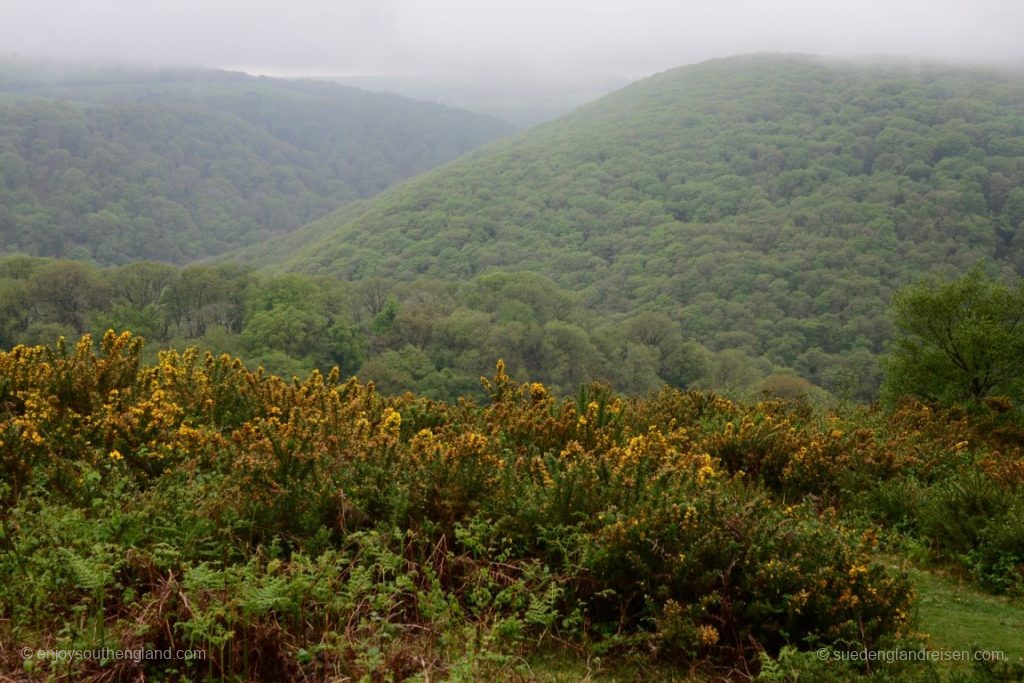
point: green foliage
(65, 290)
(315, 528)
(179, 165)
(959, 341)
(735, 225)
(767, 205)
(431, 337)
(290, 528)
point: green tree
(958, 341)
(65, 291)
(295, 331)
(142, 283)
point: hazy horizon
(526, 41)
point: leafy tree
(295, 331)
(679, 364)
(733, 370)
(142, 283)
(782, 385)
(20, 266)
(959, 341)
(13, 311)
(372, 295)
(395, 371)
(66, 291)
(146, 322)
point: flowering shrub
(319, 528)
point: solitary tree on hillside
(959, 341)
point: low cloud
(524, 37)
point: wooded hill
(768, 204)
(175, 165)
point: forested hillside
(176, 165)
(768, 205)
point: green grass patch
(570, 667)
(958, 617)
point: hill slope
(177, 165)
(768, 203)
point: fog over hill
(549, 42)
(524, 101)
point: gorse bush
(319, 528)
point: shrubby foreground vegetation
(316, 528)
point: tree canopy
(180, 165)
(958, 341)
(769, 205)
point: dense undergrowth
(316, 529)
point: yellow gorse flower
(392, 419)
(707, 635)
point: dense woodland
(432, 336)
(767, 205)
(178, 165)
(743, 221)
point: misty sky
(466, 37)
